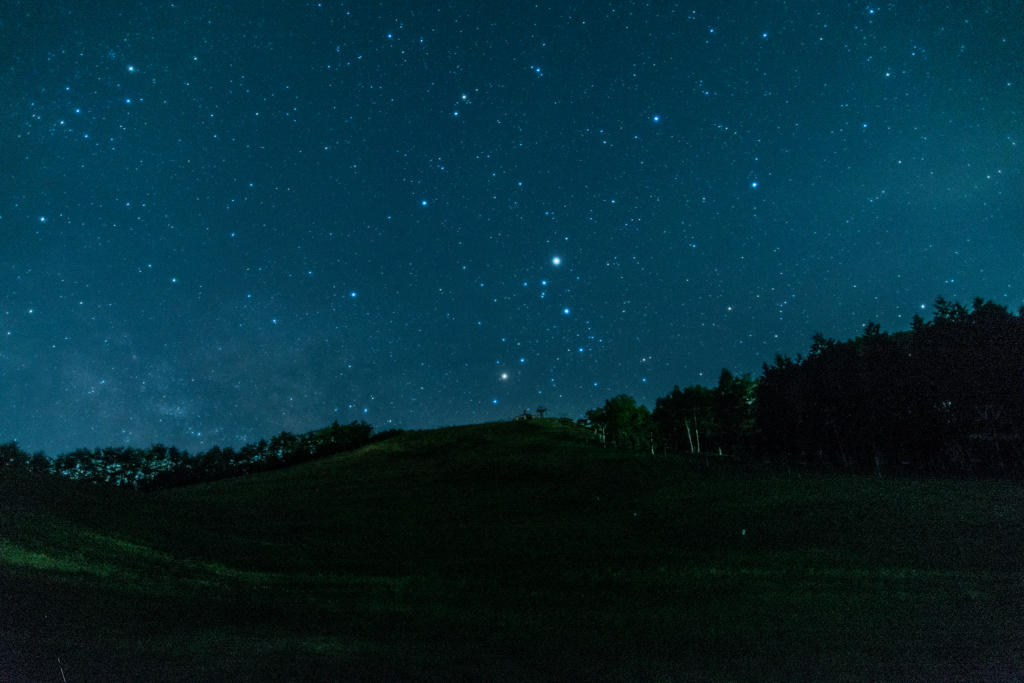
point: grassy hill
(511, 552)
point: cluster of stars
(266, 172)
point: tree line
(692, 420)
(945, 397)
(160, 467)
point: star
(328, 182)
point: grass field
(512, 552)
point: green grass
(511, 552)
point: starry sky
(220, 220)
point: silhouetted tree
(39, 463)
(698, 419)
(621, 420)
(11, 455)
(733, 400)
(946, 396)
(686, 417)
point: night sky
(221, 220)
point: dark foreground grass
(511, 552)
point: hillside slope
(511, 551)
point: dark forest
(943, 398)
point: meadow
(512, 552)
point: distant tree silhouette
(11, 455)
(162, 467)
(945, 397)
(733, 400)
(684, 417)
(39, 463)
(699, 419)
(621, 420)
